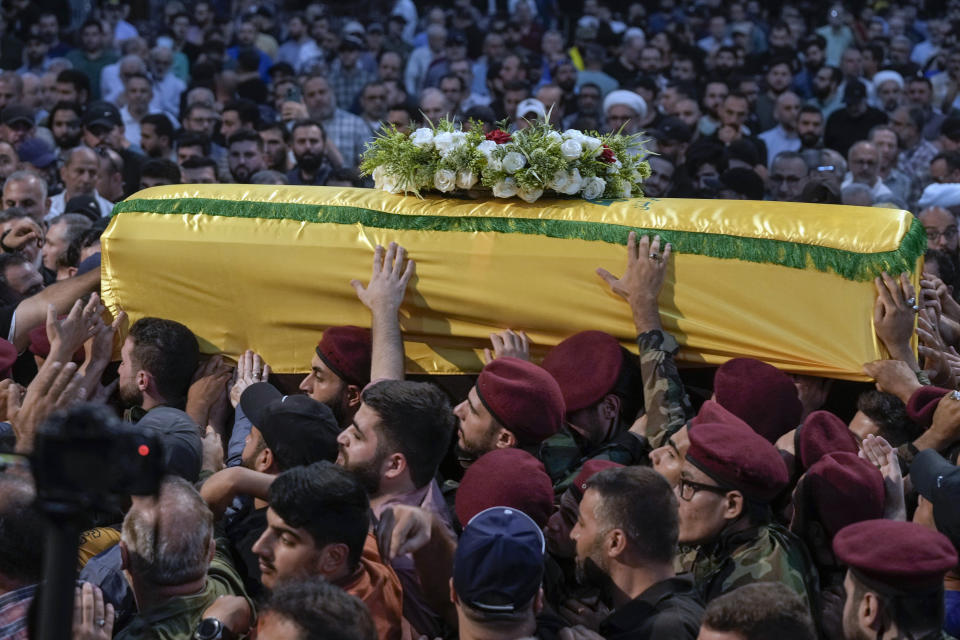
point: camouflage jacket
(667, 404)
(767, 553)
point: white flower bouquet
(527, 163)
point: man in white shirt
(783, 137)
(79, 174)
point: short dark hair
(641, 503)
(809, 108)
(245, 135)
(916, 615)
(78, 79)
(416, 420)
(90, 22)
(168, 351)
(274, 125)
(308, 123)
(321, 610)
(889, 413)
(21, 553)
(452, 76)
(63, 105)
(247, 110)
(835, 74)
(952, 158)
(193, 139)
(75, 225)
(161, 168)
(327, 501)
(924, 79)
(199, 163)
(760, 611)
(161, 124)
(346, 174)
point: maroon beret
(346, 350)
(40, 345)
(760, 394)
(823, 433)
(586, 366)
(522, 397)
(923, 403)
(737, 457)
(843, 488)
(8, 355)
(712, 412)
(587, 471)
(505, 478)
(895, 557)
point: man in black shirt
(853, 122)
(626, 536)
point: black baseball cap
(673, 129)
(16, 112)
(352, 42)
(297, 429)
(103, 114)
(937, 480)
(498, 565)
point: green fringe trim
(847, 264)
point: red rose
(607, 155)
(499, 136)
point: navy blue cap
(498, 566)
(37, 152)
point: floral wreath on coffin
(526, 163)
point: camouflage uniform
(768, 553)
(667, 406)
(666, 400)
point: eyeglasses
(689, 488)
(949, 234)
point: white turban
(626, 98)
(940, 195)
(887, 76)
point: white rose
(378, 176)
(466, 179)
(612, 169)
(574, 183)
(593, 188)
(445, 180)
(513, 162)
(448, 141)
(494, 164)
(506, 188)
(486, 147)
(591, 144)
(390, 184)
(554, 136)
(571, 149)
(573, 134)
(627, 190)
(559, 181)
(422, 138)
(530, 196)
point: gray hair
(168, 537)
(855, 191)
(268, 177)
(25, 175)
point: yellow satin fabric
(274, 285)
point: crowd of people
(595, 494)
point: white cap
(634, 32)
(887, 76)
(353, 27)
(531, 105)
(940, 195)
(628, 98)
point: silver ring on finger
(911, 301)
(655, 257)
(101, 622)
(916, 309)
(955, 395)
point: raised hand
(93, 617)
(877, 451)
(388, 282)
(642, 280)
(67, 335)
(250, 369)
(508, 344)
(893, 315)
(56, 386)
(893, 376)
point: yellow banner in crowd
(268, 268)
